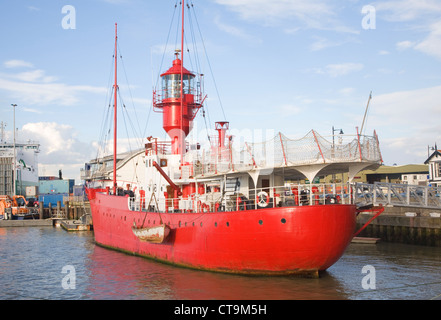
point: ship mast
(115, 88)
(182, 141)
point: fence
(397, 194)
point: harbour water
(46, 263)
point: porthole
(228, 224)
(201, 224)
(283, 220)
(193, 224)
(260, 222)
(186, 224)
(179, 223)
(215, 224)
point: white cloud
(322, 43)
(269, 10)
(47, 93)
(33, 76)
(410, 119)
(314, 14)
(420, 16)
(336, 70)
(17, 64)
(403, 45)
(235, 31)
(59, 148)
(407, 10)
(432, 43)
(34, 87)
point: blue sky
(278, 65)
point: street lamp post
(333, 145)
(333, 130)
(14, 160)
(428, 150)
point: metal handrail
(397, 194)
(259, 198)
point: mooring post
(40, 209)
(58, 208)
(67, 209)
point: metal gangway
(397, 194)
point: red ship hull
(272, 241)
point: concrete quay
(409, 225)
(26, 223)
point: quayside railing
(397, 194)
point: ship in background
(25, 176)
(18, 177)
(229, 208)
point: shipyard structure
(23, 180)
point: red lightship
(228, 209)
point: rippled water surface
(32, 261)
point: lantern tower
(179, 101)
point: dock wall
(409, 225)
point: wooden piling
(41, 210)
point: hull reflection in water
(31, 269)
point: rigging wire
(136, 134)
(166, 44)
(107, 124)
(160, 66)
(209, 64)
(102, 137)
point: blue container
(52, 198)
(56, 186)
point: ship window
(260, 222)
(228, 224)
(283, 220)
(215, 224)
